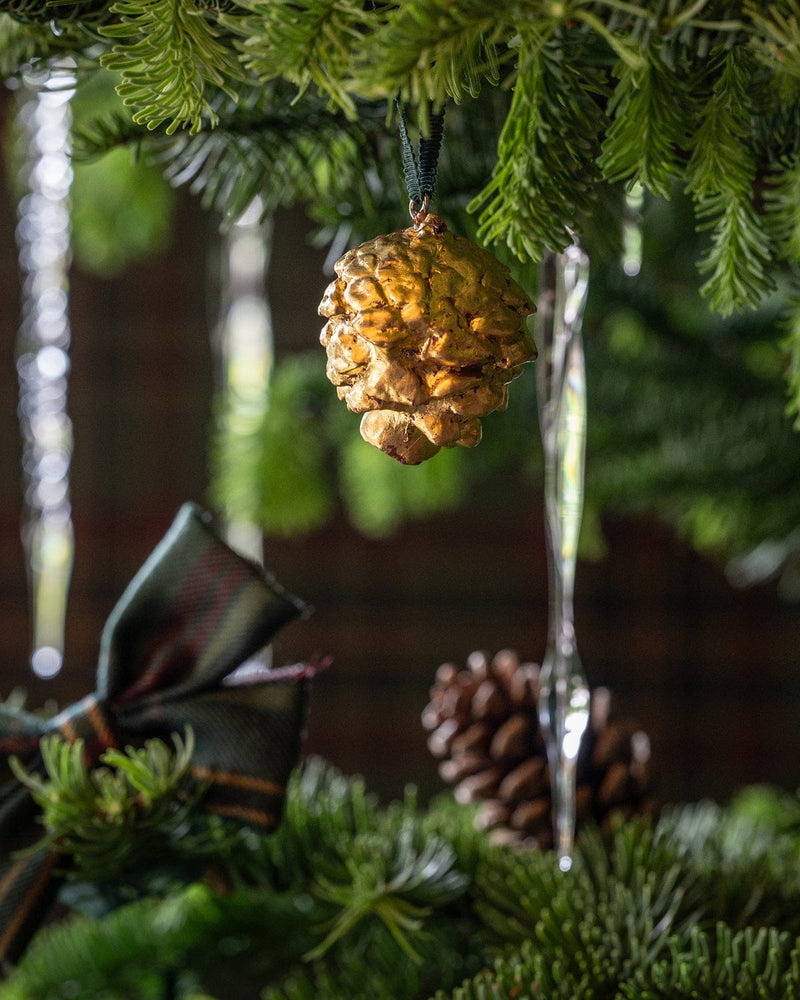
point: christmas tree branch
(604, 92)
(168, 53)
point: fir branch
(649, 125)
(104, 133)
(639, 917)
(777, 41)
(428, 52)
(782, 208)
(106, 819)
(170, 57)
(739, 254)
(379, 496)
(356, 861)
(133, 951)
(307, 43)
(614, 912)
(51, 32)
(261, 148)
(755, 848)
(322, 812)
(20, 44)
(746, 965)
(57, 12)
(721, 173)
(393, 881)
(270, 466)
(546, 171)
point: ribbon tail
(29, 880)
(28, 887)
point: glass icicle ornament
(43, 237)
(561, 385)
(425, 331)
(244, 350)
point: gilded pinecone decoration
(425, 331)
(484, 730)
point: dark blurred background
(709, 671)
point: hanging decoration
(484, 731)
(43, 235)
(561, 386)
(244, 352)
(425, 329)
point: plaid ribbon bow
(194, 612)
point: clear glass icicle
(561, 388)
(244, 347)
(43, 343)
(244, 350)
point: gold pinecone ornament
(425, 331)
(484, 730)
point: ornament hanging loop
(419, 215)
(420, 167)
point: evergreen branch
(546, 172)
(726, 965)
(623, 49)
(356, 861)
(269, 466)
(754, 841)
(20, 44)
(26, 41)
(133, 951)
(169, 55)
(649, 125)
(261, 148)
(721, 173)
(782, 208)
(721, 158)
(739, 256)
(74, 17)
(105, 819)
(615, 913)
(306, 43)
(704, 903)
(778, 38)
(105, 133)
(428, 52)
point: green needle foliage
(110, 819)
(308, 43)
(542, 185)
(602, 91)
(169, 56)
(352, 899)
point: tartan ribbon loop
(87, 720)
(193, 614)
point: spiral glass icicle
(43, 342)
(561, 387)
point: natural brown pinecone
(425, 329)
(484, 729)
